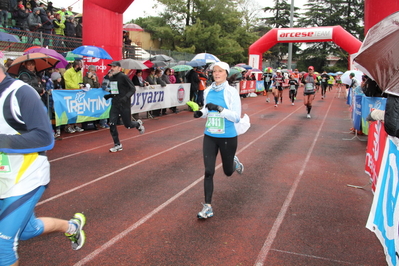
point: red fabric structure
(377, 10)
(102, 27)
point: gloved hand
(107, 96)
(197, 114)
(214, 107)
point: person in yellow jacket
(59, 27)
(73, 78)
(330, 82)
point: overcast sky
(143, 8)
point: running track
(292, 205)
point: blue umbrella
(196, 63)
(5, 37)
(339, 73)
(331, 74)
(209, 58)
(92, 51)
(247, 67)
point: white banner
(302, 34)
(156, 97)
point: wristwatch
(220, 108)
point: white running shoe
(239, 167)
(141, 128)
(206, 212)
(116, 148)
(308, 116)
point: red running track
(291, 206)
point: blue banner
(77, 106)
(357, 111)
(384, 215)
(260, 86)
(369, 103)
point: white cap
(278, 70)
(222, 65)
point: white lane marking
(280, 217)
(134, 226)
(109, 144)
(314, 257)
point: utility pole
(290, 44)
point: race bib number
(215, 123)
(114, 87)
(267, 79)
(277, 84)
(309, 87)
(292, 87)
(4, 163)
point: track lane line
(280, 217)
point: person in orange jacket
(202, 86)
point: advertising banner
(369, 103)
(77, 106)
(303, 34)
(260, 86)
(375, 150)
(384, 214)
(357, 112)
(156, 97)
(247, 86)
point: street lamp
(290, 44)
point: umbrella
(69, 56)
(159, 63)
(244, 66)
(132, 27)
(132, 64)
(379, 53)
(5, 37)
(161, 57)
(92, 51)
(63, 62)
(42, 62)
(347, 80)
(236, 70)
(331, 74)
(339, 73)
(209, 58)
(255, 70)
(148, 63)
(196, 63)
(180, 68)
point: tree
(347, 13)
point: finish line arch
(335, 34)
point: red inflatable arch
(102, 27)
(318, 34)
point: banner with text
(384, 214)
(77, 106)
(156, 97)
(375, 150)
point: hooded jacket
(34, 20)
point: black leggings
(125, 112)
(211, 146)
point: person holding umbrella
(27, 73)
(122, 90)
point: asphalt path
(291, 206)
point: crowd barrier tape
(383, 218)
(77, 106)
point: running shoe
(70, 130)
(206, 212)
(293, 104)
(322, 97)
(141, 128)
(78, 239)
(275, 105)
(116, 148)
(267, 100)
(79, 129)
(239, 167)
(308, 116)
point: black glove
(214, 107)
(107, 96)
(197, 114)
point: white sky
(143, 8)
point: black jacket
(125, 86)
